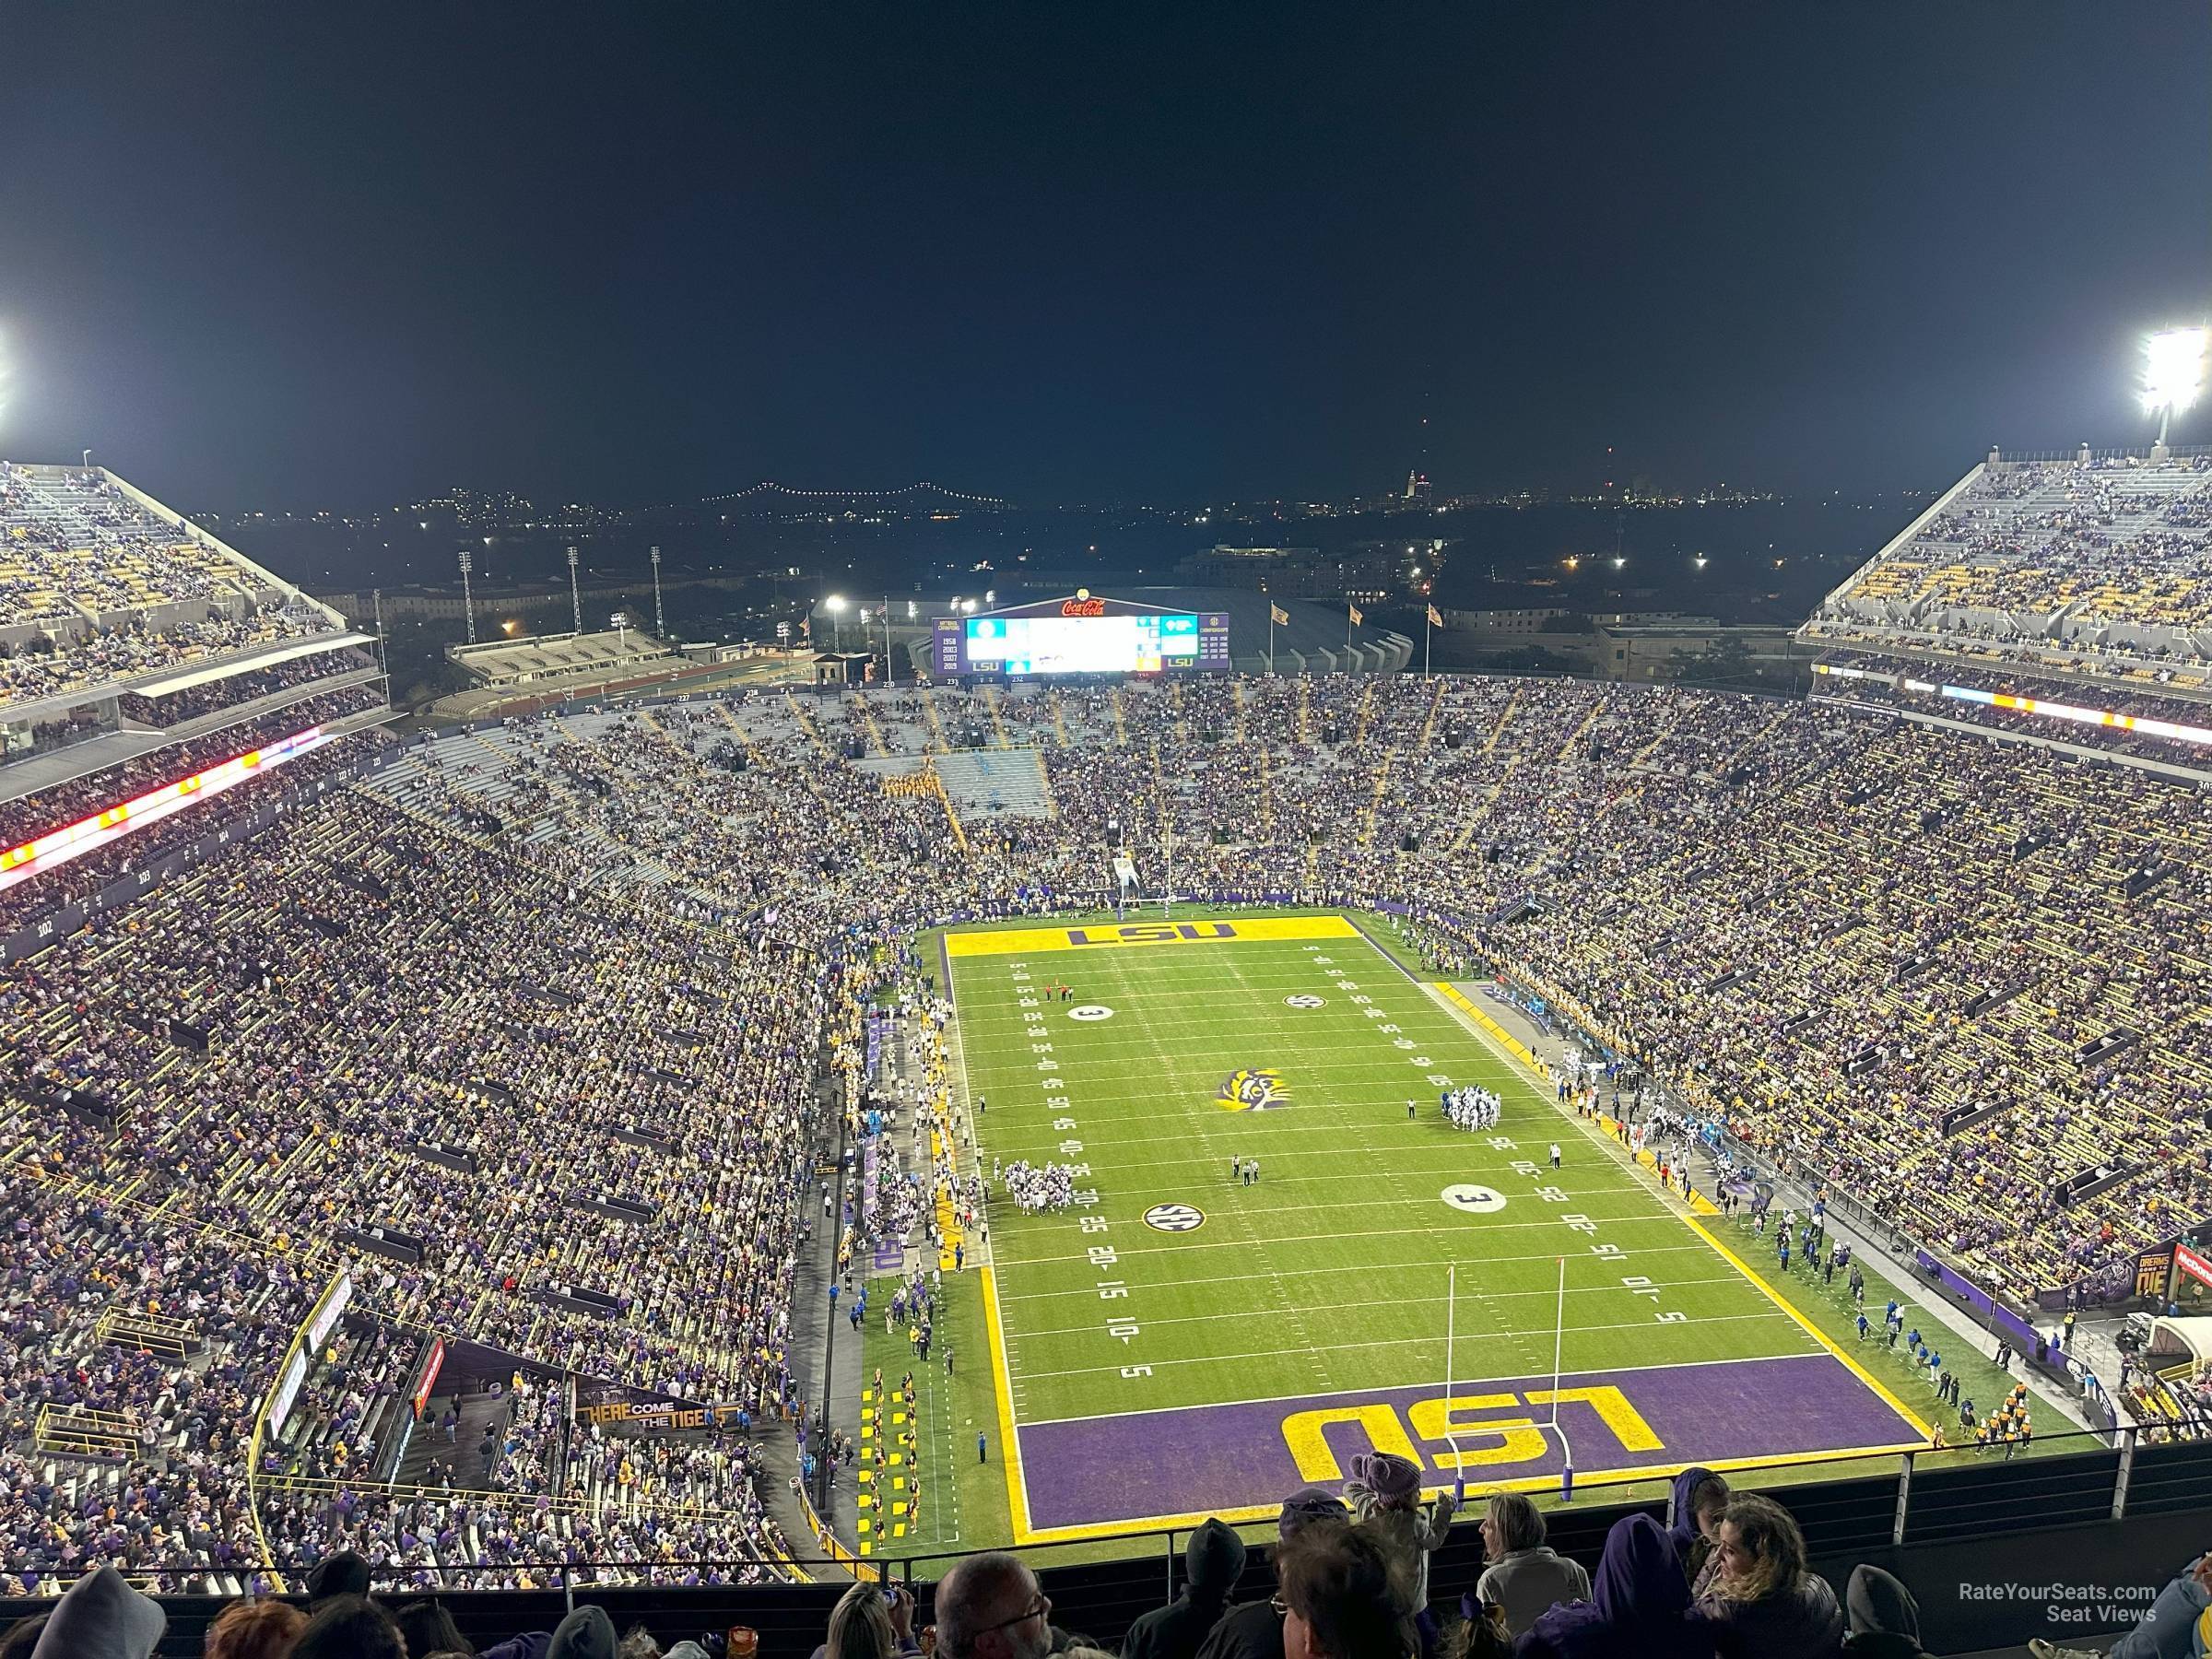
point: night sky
(344, 256)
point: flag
(1434, 620)
(1353, 611)
(1279, 615)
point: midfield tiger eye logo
(1252, 1090)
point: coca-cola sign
(1082, 608)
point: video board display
(1081, 635)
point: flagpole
(1271, 635)
(1428, 628)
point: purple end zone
(1101, 1471)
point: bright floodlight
(836, 602)
(2173, 370)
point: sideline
(1492, 1032)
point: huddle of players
(1052, 1187)
(1470, 1108)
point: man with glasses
(989, 1606)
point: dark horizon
(284, 260)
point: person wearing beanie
(101, 1618)
(1213, 1561)
(1882, 1617)
(587, 1633)
(1385, 1495)
(343, 1573)
(1254, 1629)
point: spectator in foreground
(1884, 1618)
(349, 1627)
(1638, 1606)
(1763, 1603)
(1385, 1495)
(1344, 1596)
(2179, 1625)
(18, 1638)
(429, 1629)
(343, 1573)
(1700, 1498)
(989, 1606)
(1213, 1561)
(1524, 1576)
(261, 1629)
(101, 1618)
(1254, 1629)
(587, 1633)
(865, 1625)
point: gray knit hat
(101, 1618)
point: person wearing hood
(1763, 1601)
(1884, 1618)
(1254, 1629)
(344, 1573)
(1213, 1561)
(1638, 1607)
(1693, 1528)
(587, 1633)
(101, 1618)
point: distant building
(1366, 573)
(1534, 618)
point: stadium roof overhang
(266, 659)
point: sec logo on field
(1175, 1218)
(1092, 1011)
(1474, 1200)
(1303, 1000)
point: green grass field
(1272, 1330)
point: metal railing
(1877, 1498)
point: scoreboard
(1081, 635)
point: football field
(1184, 1341)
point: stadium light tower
(2173, 373)
(575, 598)
(660, 627)
(468, 602)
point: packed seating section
(2067, 551)
(95, 589)
(528, 945)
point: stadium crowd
(550, 998)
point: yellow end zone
(1026, 941)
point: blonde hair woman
(1764, 1603)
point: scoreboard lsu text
(1081, 635)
